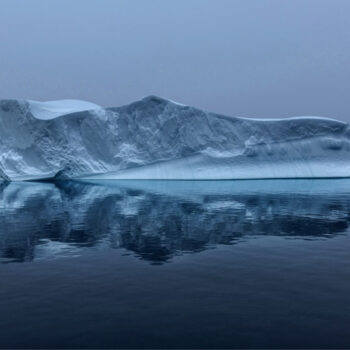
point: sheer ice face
(156, 138)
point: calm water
(175, 264)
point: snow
(53, 109)
(155, 138)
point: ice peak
(159, 100)
(154, 99)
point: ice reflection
(157, 220)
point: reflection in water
(160, 219)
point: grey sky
(264, 58)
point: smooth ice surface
(155, 138)
(53, 109)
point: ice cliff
(156, 138)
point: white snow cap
(53, 109)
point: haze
(268, 58)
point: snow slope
(156, 138)
(53, 109)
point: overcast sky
(264, 58)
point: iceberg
(155, 138)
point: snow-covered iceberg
(155, 138)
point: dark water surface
(175, 264)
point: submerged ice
(156, 138)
